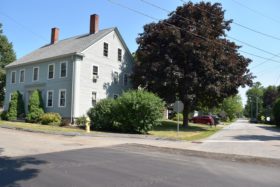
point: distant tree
(176, 60)
(270, 96)
(7, 55)
(232, 106)
(255, 101)
(276, 112)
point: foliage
(81, 121)
(7, 55)
(232, 106)
(35, 107)
(3, 115)
(101, 116)
(51, 118)
(138, 111)
(175, 118)
(255, 101)
(174, 61)
(276, 112)
(16, 107)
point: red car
(203, 119)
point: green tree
(232, 106)
(276, 112)
(7, 55)
(16, 107)
(254, 106)
(182, 57)
(35, 107)
(270, 96)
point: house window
(105, 49)
(21, 76)
(13, 77)
(95, 70)
(10, 97)
(119, 55)
(115, 77)
(35, 73)
(93, 98)
(125, 79)
(115, 96)
(51, 71)
(50, 98)
(63, 69)
(62, 98)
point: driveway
(244, 138)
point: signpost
(178, 107)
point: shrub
(3, 115)
(51, 118)
(175, 118)
(101, 116)
(35, 107)
(276, 112)
(16, 107)
(138, 111)
(81, 121)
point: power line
(196, 35)
(24, 27)
(257, 12)
(245, 27)
(245, 43)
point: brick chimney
(54, 36)
(94, 22)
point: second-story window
(13, 77)
(35, 73)
(119, 55)
(105, 49)
(21, 76)
(51, 71)
(63, 69)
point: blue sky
(27, 25)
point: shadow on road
(18, 169)
(270, 128)
(257, 137)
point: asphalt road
(126, 165)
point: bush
(276, 112)
(3, 115)
(16, 107)
(51, 118)
(101, 116)
(81, 121)
(138, 111)
(35, 107)
(175, 118)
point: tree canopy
(7, 55)
(187, 56)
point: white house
(74, 73)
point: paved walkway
(244, 138)
(238, 138)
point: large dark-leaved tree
(188, 56)
(7, 55)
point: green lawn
(168, 129)
(39, 127)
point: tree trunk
(186, 115)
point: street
(125, 166)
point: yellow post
(88, 125)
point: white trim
(10, 97)
(66, 62)
(47, 98)
(12, 77)
(53, 64)
(20, 75)
(33, 74)
(59, 95)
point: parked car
(204, 120)
(216, 119)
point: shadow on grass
(18, 169)
(172, 126)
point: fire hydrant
(87, 124)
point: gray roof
(73, 45)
